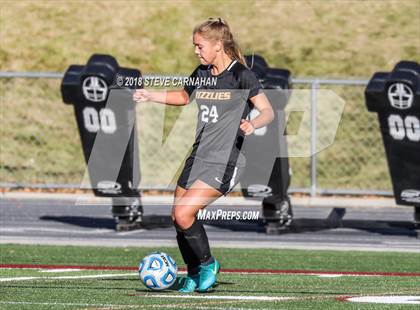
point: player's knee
(182, 217)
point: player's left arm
(266, 115)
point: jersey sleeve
(188, 87)
(249, 81)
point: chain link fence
(40, 144)
(356, 160)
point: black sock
(209, 261)
(187, 253)
(196, 237)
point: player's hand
(247, 127)
(141, 95)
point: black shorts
(221, 177)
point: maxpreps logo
(219, 214)
(212, 95)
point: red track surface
(254, 271)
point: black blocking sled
(267, 171)
(106, 121)
(395, 97)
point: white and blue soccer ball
(158, 271)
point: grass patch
(125, 291)
(229, 258)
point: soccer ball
(158, 271)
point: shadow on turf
(395, 228)
(173, 288)
(300, 225)
(303, 225)
(149, 221)
(179, 284)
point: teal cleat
(190, 284)
(208, 275)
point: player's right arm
(170, 97)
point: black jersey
(222, 100)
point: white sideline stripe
(321, 275)
(70, 270)
(125, 242)
(56, 230)
(222, 308)
(90, 199)
(222, 297)
(133, 232)
(60, 270)
(330, 275)
(111, 275)
(412, 300)
(123, 306)
(64, 304)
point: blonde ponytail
(218, 29)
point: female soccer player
(216, 162)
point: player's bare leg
(179, 192)
(198, 196)
(191, 282)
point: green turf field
(120, 289)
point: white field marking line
(221, 297)
(60, 270)
(193, 306)
(48, 270)
(64, 304)
(224, 308)
(133, 232)
(321, 275)
(181, 272)
(123, 306)
(68, 277)
(44, 229)
(386, 299)
(332, 275)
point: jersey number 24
(209, 114)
